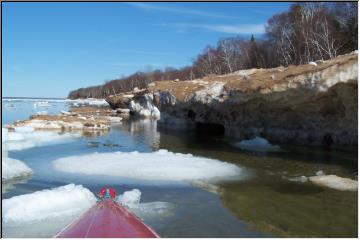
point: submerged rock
(335, 182)
(257, 144)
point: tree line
(306, 32)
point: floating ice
(27, 137)
(160, 165)
(151, 210)
(46, 204)
(50, 210)
(335, 182)
(257, 144)
(299, 179)
(13, 168)
(130, 198)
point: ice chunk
(313, 63)
(46, 204)
(335, 182)
(299, 179)
(50, 210)
(257, 144)
(130, 198)
(151, 210)
(160, 165)
(13, 168)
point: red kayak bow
(107, 219)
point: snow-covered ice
(257, 144)
(159, 165)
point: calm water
(266, 204)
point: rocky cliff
(307, 104)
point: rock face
(306, 104)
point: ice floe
(46, 204)
(26, 137)
(335, 182)
(257, 144)
(50, 210)
(159, 165)
(12, 168)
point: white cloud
(177, 10)
(233, 29)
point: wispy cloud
(183, 11)
(232, 29)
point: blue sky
(52, 48)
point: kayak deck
(107, 219)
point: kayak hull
(107, 219)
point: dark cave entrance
(212, 129)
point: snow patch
(209, 94)
(160, 165)
(335, 182)
(257, 144)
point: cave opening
(212, 129)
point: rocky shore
(313, 104)
(87, 119)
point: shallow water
(262, 205)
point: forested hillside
(306, 32)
